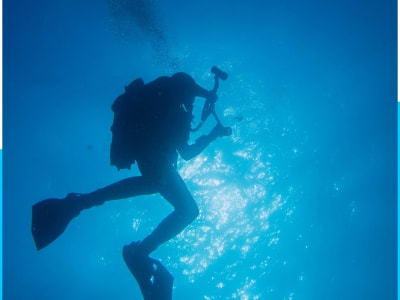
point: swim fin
(154, 280)
(50, 218)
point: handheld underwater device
(209, 105)
(219, 73)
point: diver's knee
(194, 212)
(189, 213)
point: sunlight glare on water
(234, 216)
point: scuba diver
(152, 125)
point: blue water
(299, 203)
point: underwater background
(300, 202)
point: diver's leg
(174, 190)
(130, 187)
(51, 217)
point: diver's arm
(187, 151)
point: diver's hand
(220, 131)
(211, 97)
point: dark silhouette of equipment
(209, 105)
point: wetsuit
(167, 134)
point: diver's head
(185, 87)
(183, 80)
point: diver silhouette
(160, 132)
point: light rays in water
(234, 217)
